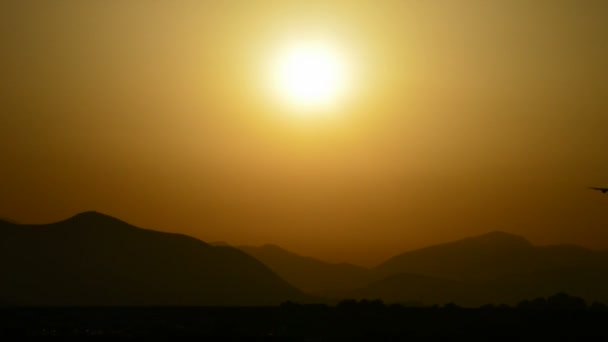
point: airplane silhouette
(603, 190)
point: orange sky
(468, 116)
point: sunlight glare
(310, 75)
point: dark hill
(94, 259)
(491, 268)
(309, 274)
(487, 257)
(6, 223)
(589, 284)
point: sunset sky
(448, 119)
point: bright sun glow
(310, 75)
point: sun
(310, 76)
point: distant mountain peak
(94, 218)
(499, 237)
(96, 259)
(91, 215)
(482, 256)
(500, 234)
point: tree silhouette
(597, 306)
(563, 301)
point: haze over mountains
(309, 274)
(496, 267)
(489, 256)
(94, 259)
(492, 268)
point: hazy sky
(464, 117)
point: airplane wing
(603, 190)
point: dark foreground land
(308, 323)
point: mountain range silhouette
(95, 259)
(489, 256)
(309, 274)
(496, 267)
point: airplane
(603, 190)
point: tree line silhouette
(558, 316)
(559, 301)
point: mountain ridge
(474, 270)
(95, 259)
(309, 274)
(479, 256)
